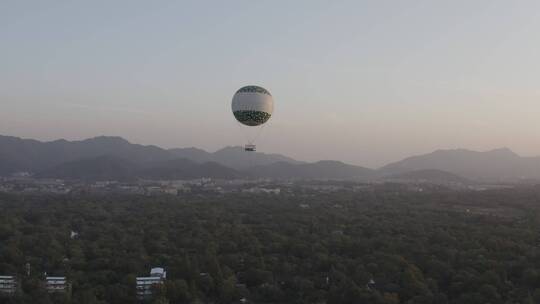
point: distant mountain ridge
(114, 168)
(18, 154)
(108, 157)
(99, 168)
(234, 157)
(433, 176)
(497, 165)
(33, 155)
(319, 170)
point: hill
(116, 158)
(236, 157)
(114, 168)
(100, 168)
(34, 156)
(319, 170)
(496, 165)
(186, 169)
(429, 176)
(17, 154)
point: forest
(382, 245)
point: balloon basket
(250, 148)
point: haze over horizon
(364, 82)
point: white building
(158, 272)
(258, 190)
(56, 284)
(145, 285)
(74, 235)
(8, 284)
(170, 190)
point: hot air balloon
(252, 107)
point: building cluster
(146, 286)
(28, 184)
(57, 284)
(9, 285)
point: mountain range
(500, 165)
(115, 168)
(114, 158)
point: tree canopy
(377, 246)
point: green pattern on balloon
(253, 89)
(251, 118)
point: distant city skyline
(364, 82)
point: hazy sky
(360, 81)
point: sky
(365, 82)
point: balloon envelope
(252, 105)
